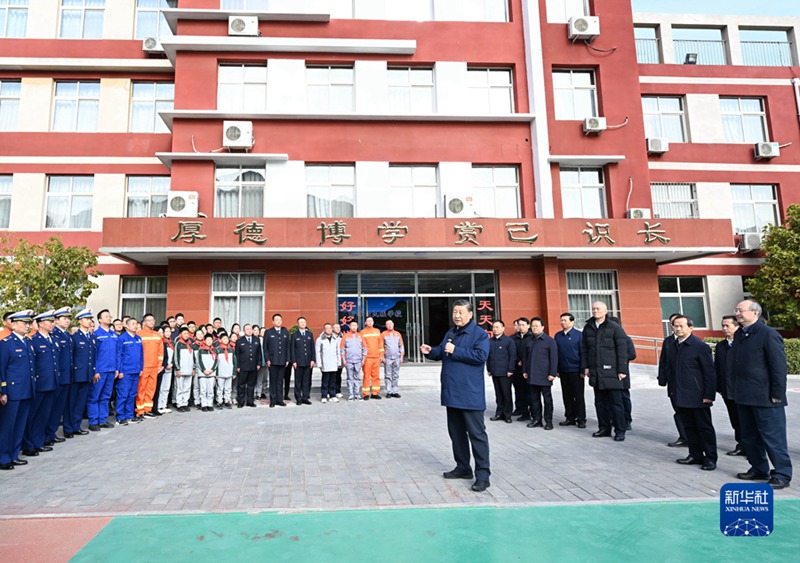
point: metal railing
(648, 349)
(708, 51)
(767, 53)
(647, 51)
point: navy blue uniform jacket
(502, 356)
(693, 375)
(542, 360)
(462, 371)
(759, 366)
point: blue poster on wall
(382, 309)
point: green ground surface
(650, 531)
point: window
(575, 94)
(76, 106)
(411, 90)
(330, 88)
(240, 191)
(754, 207)
(409, 10)
(586, 287)
(5, 200)
(765, 47)
(82, 19)
(13, 18)
(242, 88)
(706, 43)
(646, 45)
(252, 5)
(674, 201)
(413, 191)
(663, 117)
(69, 202)
(583, 192)
(238, 298)
(684, 295)
(331, 190)
(147, 196)
(150, 22)
(150, 98)
(744, 120)
(490, 90)
(9, 104)
(486, 10)
(496, 191)
(142, 295)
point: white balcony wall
(286, 86)
(286, 189)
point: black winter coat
(604, 352)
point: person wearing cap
(153, 347)
(107, 366)
(84, 364)
(184, 368)
(64, 341)
(6, 330)
(45, 386)
(17, 373)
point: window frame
(330, 186)
(6, 193)
(149, 195)
(241, 87)
(497, 187)
(71, 194)
(240, 184)
(416, 189)
(83, 9)
(330, 85)
(602, 189)
(6, 19)
(488, 87)
(162, 27)
(751, 203)
(741, 115)
(8, 100)
(76, 120)
(146, 296)
(680, 295)
(155, 118)
(594, 294)
(410, 87)
(661, 114)
(572, 89)
(672, 198)
(238, 294)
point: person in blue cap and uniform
(46, 383)
(17, 372)
(84, 359)
(62, 338)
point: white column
(35, 104)
(733, 46)
(286, 86)
(724, 292)
(108, 198)
(704, 118)
(286, 190)
(451, 87)
(372, 181)
(455, 178)
(115, 105)
(371, 87)
(714, 200)
(43, 17)
(119, 19)
(665, 44)
(27, 202)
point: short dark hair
(731, 318)
(673, 315)
(7, 314)
(128, 320)
(179, 315)
(216, 319)
(100, 314)
(191, 323)
(148, 315)
(463, 303)
(570, 316)
(119, 320)
(499, 321)
(540, 319)
(170, 318)
(276, 315)
(525, 320)
(689, 321)
(298, 319)
(327, 324)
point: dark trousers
(572, 385)
(157, 392)
(610, 411)
(678, 421)
(764, 434)
(338, 383)
(76, 404)
(467, 427)
(37, 420)
(287, 381)
(328, 388)
(699, 433)
(13, 419)
(245, 387)
(626, 405)
(502, 394)
(302, 383)
(56, 412)
(539, 392)
(276, 374)
(522, 395)
(733, 414)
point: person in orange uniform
(6, 330)
(371, 387)
(153, 363)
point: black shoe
(689, 460)
(523, 418)
(94, 427)
(44, 449)
(777, 483)
(753, 475)
(480, 486)
(50, 442)
(254, 405)
(30, 453)
(272, 405)
(68, 435)
(601, 434)
(81, 432)
(456, 474)
(150, 415)
(366, 397)
(708, 465)
(509, 421)
(280, 404)
(158, 413)
(628, 427)
(581, 425)
(738, 451)
(19, 462)
(516, 412)
(6, 466)
(548, 426)
(389, 395)
(286, 398)
(306, 402)
(228, 406)
(679, 443)
(59, 440)
(619, 437)
(567, 423)
(396, 395)
(137, 418)
(376, 397)
(239, 406)
(537, 424)
(299, 403)
(497, 418)
(122, 422)
(106, 425)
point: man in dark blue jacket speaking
(463, 353)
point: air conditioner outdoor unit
(749, 242)
(237, 135)
(594, 125)
(657, 145)
(583, 28)
(767, 150)
(152, 45)
(459, 205)
(638, 213)
(182, 204)
(243, 26)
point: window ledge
(585, 159)
(173, 15)
(235, 158)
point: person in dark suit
(667, 352)
(500, 367)
(540, 370)
(17, 379)
(759, 375)
(302, 356)
(64, 341)
(276, 352)
(723, 364)
(694, 382)
(83, 369)
(522, 399)
(248, 360)
(568, 341)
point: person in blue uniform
(107, 371)
(17, 372)
(248, 359)
(46, 384)
(276, 352)
(302, 354)
(61, 336)
(131, 364)
(84, 356)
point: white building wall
(369, 9)
(451, 87)
(371, 87)
(704, 119)
(560, 11)
(372, 181)
(455, 178)
(43, 17)
(119, 19)
(108, 199)
(115, 96)
(106, 296)
(286, 86)
(286, 189)
(35, 105)
(27, 201)
(714, 200)
(724, 292)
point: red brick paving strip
(47, 540)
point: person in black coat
(626, 393)
(723, 365)
(694, 382)
(500, 367)
(540, 370)
(604, 359)
(248, 361)
(277, 354)
(759, 375)
(522, 399)
(667, 352)
(303, 355)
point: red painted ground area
(49, 540)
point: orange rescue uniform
(153, 346)
(372, 363)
